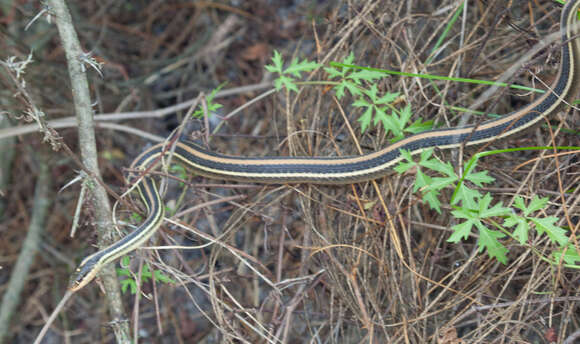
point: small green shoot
(130, 283)
(179, 171)
(211, 106)
(136, 217)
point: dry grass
(364, 263)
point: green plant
(287, 76)
(179, 171)
(361, 84)
(136, 217)
(475, 214)
(131, 281)
(432, 186)
(480, 213)
(211, 106)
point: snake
(331, 170)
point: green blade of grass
(439, 77)
(444, 33)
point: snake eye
(75, 278)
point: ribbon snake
(333, 170)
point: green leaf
(488, 241)
(432, 198)
(278, 84)
(277, 63)
(425, 155)
(128, 283)
(470, 166)
(421, 180)
(286, 82)
(388, 98)
(361, 103)
(464, 213)
(353, 89)
(484, 203)
(447, 169)
(487, 237)
(571, 256)
(333, 72)
(461, 231)
(136, 217)
(406, 154)
(543, 225)
(419, 127)
(145, 273)
(439, 166)
(536, 204)
(211, 106)
(547, 225)
(339, 90)
(364, 74)
(405, 114)
(468, 197)
(381, 116)
(496, 210)
(161, 277)
(397, 126)
(522, 227)
(347, 86)
(406, 163)
(403, 166)
(439, 183)
(348, 82)
(178, 170)
(296, 67)
(372, 93)
(390, 123)
(123, 272)
(366, 118)
(336, 73)
(479, 178)
(519, 203)
(349, 59)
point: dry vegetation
(364, 263)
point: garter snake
(334, 170)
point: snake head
(83, 274)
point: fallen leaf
(257, 51)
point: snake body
(334, 170)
